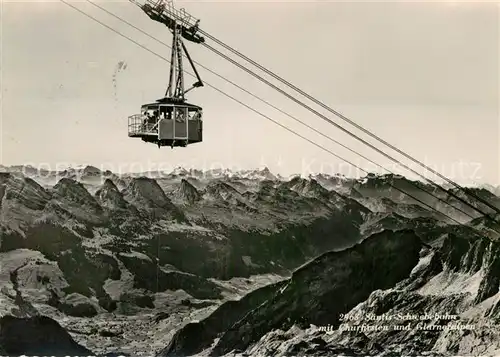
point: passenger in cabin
(196, 116)
(149, 121)
(180, 117)
(145, 121)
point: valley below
(221, 263)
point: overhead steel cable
(280, 110)
(350, 133)
(267, 117)
(343, 117)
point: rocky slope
(131, 263)
(392, 294)
(317, 293)
(37, 335)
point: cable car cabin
(168, 123)
(171, 121)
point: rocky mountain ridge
(155, 253)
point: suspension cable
(283, 112)
(350, 133)
(267, 117)
(343, 117)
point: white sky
(424, 76)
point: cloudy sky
(422, 75)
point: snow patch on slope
(138, 255)
(447, 283)
(422, 263)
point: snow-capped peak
(259, 174)
(180, 171)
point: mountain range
(220, 262)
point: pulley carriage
(171, 121)
(164, 11)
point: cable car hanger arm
(199, 83)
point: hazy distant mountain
(156, 262)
